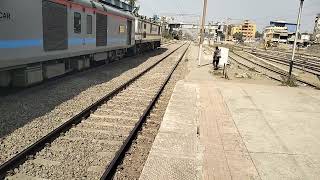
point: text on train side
(5, 15)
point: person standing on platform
(216, 58)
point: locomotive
(42, 39)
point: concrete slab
(169, 167)
(281, 131)
(218, 133)
(245, 131)
(181, 145)
(174, 152)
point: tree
(132, 2)
(258, 34)
(238, 36)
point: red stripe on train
(80, 7)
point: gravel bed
(118, 121)
(80, 138)
(102, 135)
(137, 155)
(239, 73)
(109, 128)
(29, 115)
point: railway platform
(218, 129)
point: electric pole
(202, 29)
(295, 40)
(227, 33)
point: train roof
(118, 4)
(106, 8)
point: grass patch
(292, 82)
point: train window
(77, 22)
(89, 24)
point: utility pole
(227, 29)
(203, 21)
(295, 40)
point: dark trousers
(216, 62)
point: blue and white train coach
(41, 39)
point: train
(43, 39)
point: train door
(101, 29)
(55, 28)
(129, 31)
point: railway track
(304, 55)
(168, 43)
(132, 165)
(308, 65)
(91, 144)
(272, 72)
(250, 65)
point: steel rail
(242, 64)
(308, 67)
(167, 43)
(305, 55)
(39, 144)
(285, 56)
(272, 70)
(297, 59)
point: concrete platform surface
(214, 129)
(174, 152)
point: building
(213, 31)
(180, 30)
(276, 34)
(316, 32)
(305, 39)
(235, 29)
(290, 26)
(280, 32)
(248, 30)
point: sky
(259, 11)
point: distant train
(42, 39)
